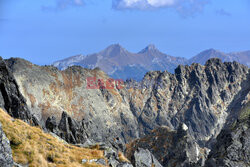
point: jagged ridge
(200, 96)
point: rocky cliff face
(101, 113)
(10, 97)
(6, 159)
(233, 143)
(199, 96)
(204, 98)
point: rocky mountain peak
(114, 50)
(120, 63)
(149, 49)
(211, 50)
(210, 53)
(115, 46)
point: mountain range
(198, 116)
(119, 63)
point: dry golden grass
(122, 157)
(30, 145)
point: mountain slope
(30, 145)
(50, 92)
(196, 95)
(204, 98)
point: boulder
(144, 158)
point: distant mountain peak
(115, 47)
(120, 63)
(114, 50)
(149, 48)
(211, 51)
(202, 57)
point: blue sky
(48, 30)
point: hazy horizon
(46, 31)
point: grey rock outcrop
(11, 98)
(100, 113)
(51, 124)
(68, 129)
(144, 158)
(6, 159)
(184, 151)
(196, 95)
(171, 148)
(74, 132)
(232, 147)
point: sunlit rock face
(100, 113)
(199, 96)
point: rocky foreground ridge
(203, 98)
